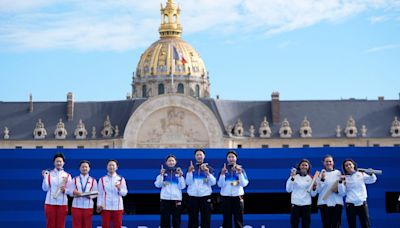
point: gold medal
(206, 180)
(234, 183)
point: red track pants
(114, 217)
(81, 218)
(55, 215)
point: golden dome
(170, 64)
(160, 60)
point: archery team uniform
(356, 197)
(199, 191)
(300, 199)
(331, 207)
(56, 204)
(82, 207)
(170, 197)
(232, 184)
(111, 200)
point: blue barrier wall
(21, 197)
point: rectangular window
(306, 146)
(106, 147)
(264, 146)
(396, 145)
(326, 145)
(39, 147)
(352, 145)
(18, 147)
(239, 146)
(81, 147)
(285, 146)
(376, 145)
(60, 147)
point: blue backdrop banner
(22, 199)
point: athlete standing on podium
(111, 188)
(56, 183)
(353, 185)
(232, 180)
(330, 203)
(171, 182)
(299, 184)
(82, 206)
(199, 179)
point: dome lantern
(170, 26)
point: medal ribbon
(84, 188)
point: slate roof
(324, 116)
(21, 123)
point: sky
(304, 49)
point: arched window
(166, 20)
(175, 18)
(181, 89)
(160, 89)
(144, 91)
(197, 91)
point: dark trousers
(232, 205)
(303, 213)
(331, 216)
(360, 211)
(202, 205)
(170, 208)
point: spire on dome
(170, 26)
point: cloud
(378, 19)
(121, 25)
(285, 44)
(283, 16)
(19, 6)
(382, 48)
(83, 25)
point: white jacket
(324, 186)
(52, 183)
(199, 184)
(109, 196)
(79, 183)
(232, 183)
(355, 189)
(171, 185)
(298, 187)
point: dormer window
(395, 128)
(80, 131)
(60, 132)
(305, 130)
(264, 130)
(39, 132)
(285, 131)
(351, 129)
(108, 129)
(238, 129)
